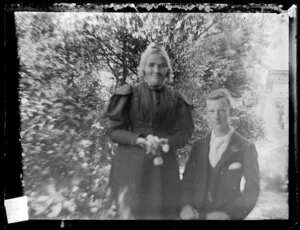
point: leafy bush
(66, 157)
(248, 123)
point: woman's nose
(156, 68)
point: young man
(221, 178)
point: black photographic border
(12, 157)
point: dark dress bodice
(153, 111)
(137, 111)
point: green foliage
(66, 156)
(63, 143)
(248, 124)
(72, 63)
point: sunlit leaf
(55, 210)
(42, 198)
(50, 126)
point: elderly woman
(149, 121)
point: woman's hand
(164, 142)
(140, 141)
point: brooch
(234, 148)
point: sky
(277, 57)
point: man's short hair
(219, 93)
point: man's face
(218, 112)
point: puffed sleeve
(184, 125)
(117, 113)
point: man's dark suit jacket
(239, 159)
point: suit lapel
(228, 152)
(202, 173)
(203, 159)
(220, 165)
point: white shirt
(218, 146)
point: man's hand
(189, 213)
(217, 216)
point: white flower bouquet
(155, 146)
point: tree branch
(112, 70)
(207, 29)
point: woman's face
(156, 69)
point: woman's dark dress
(151, 192)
